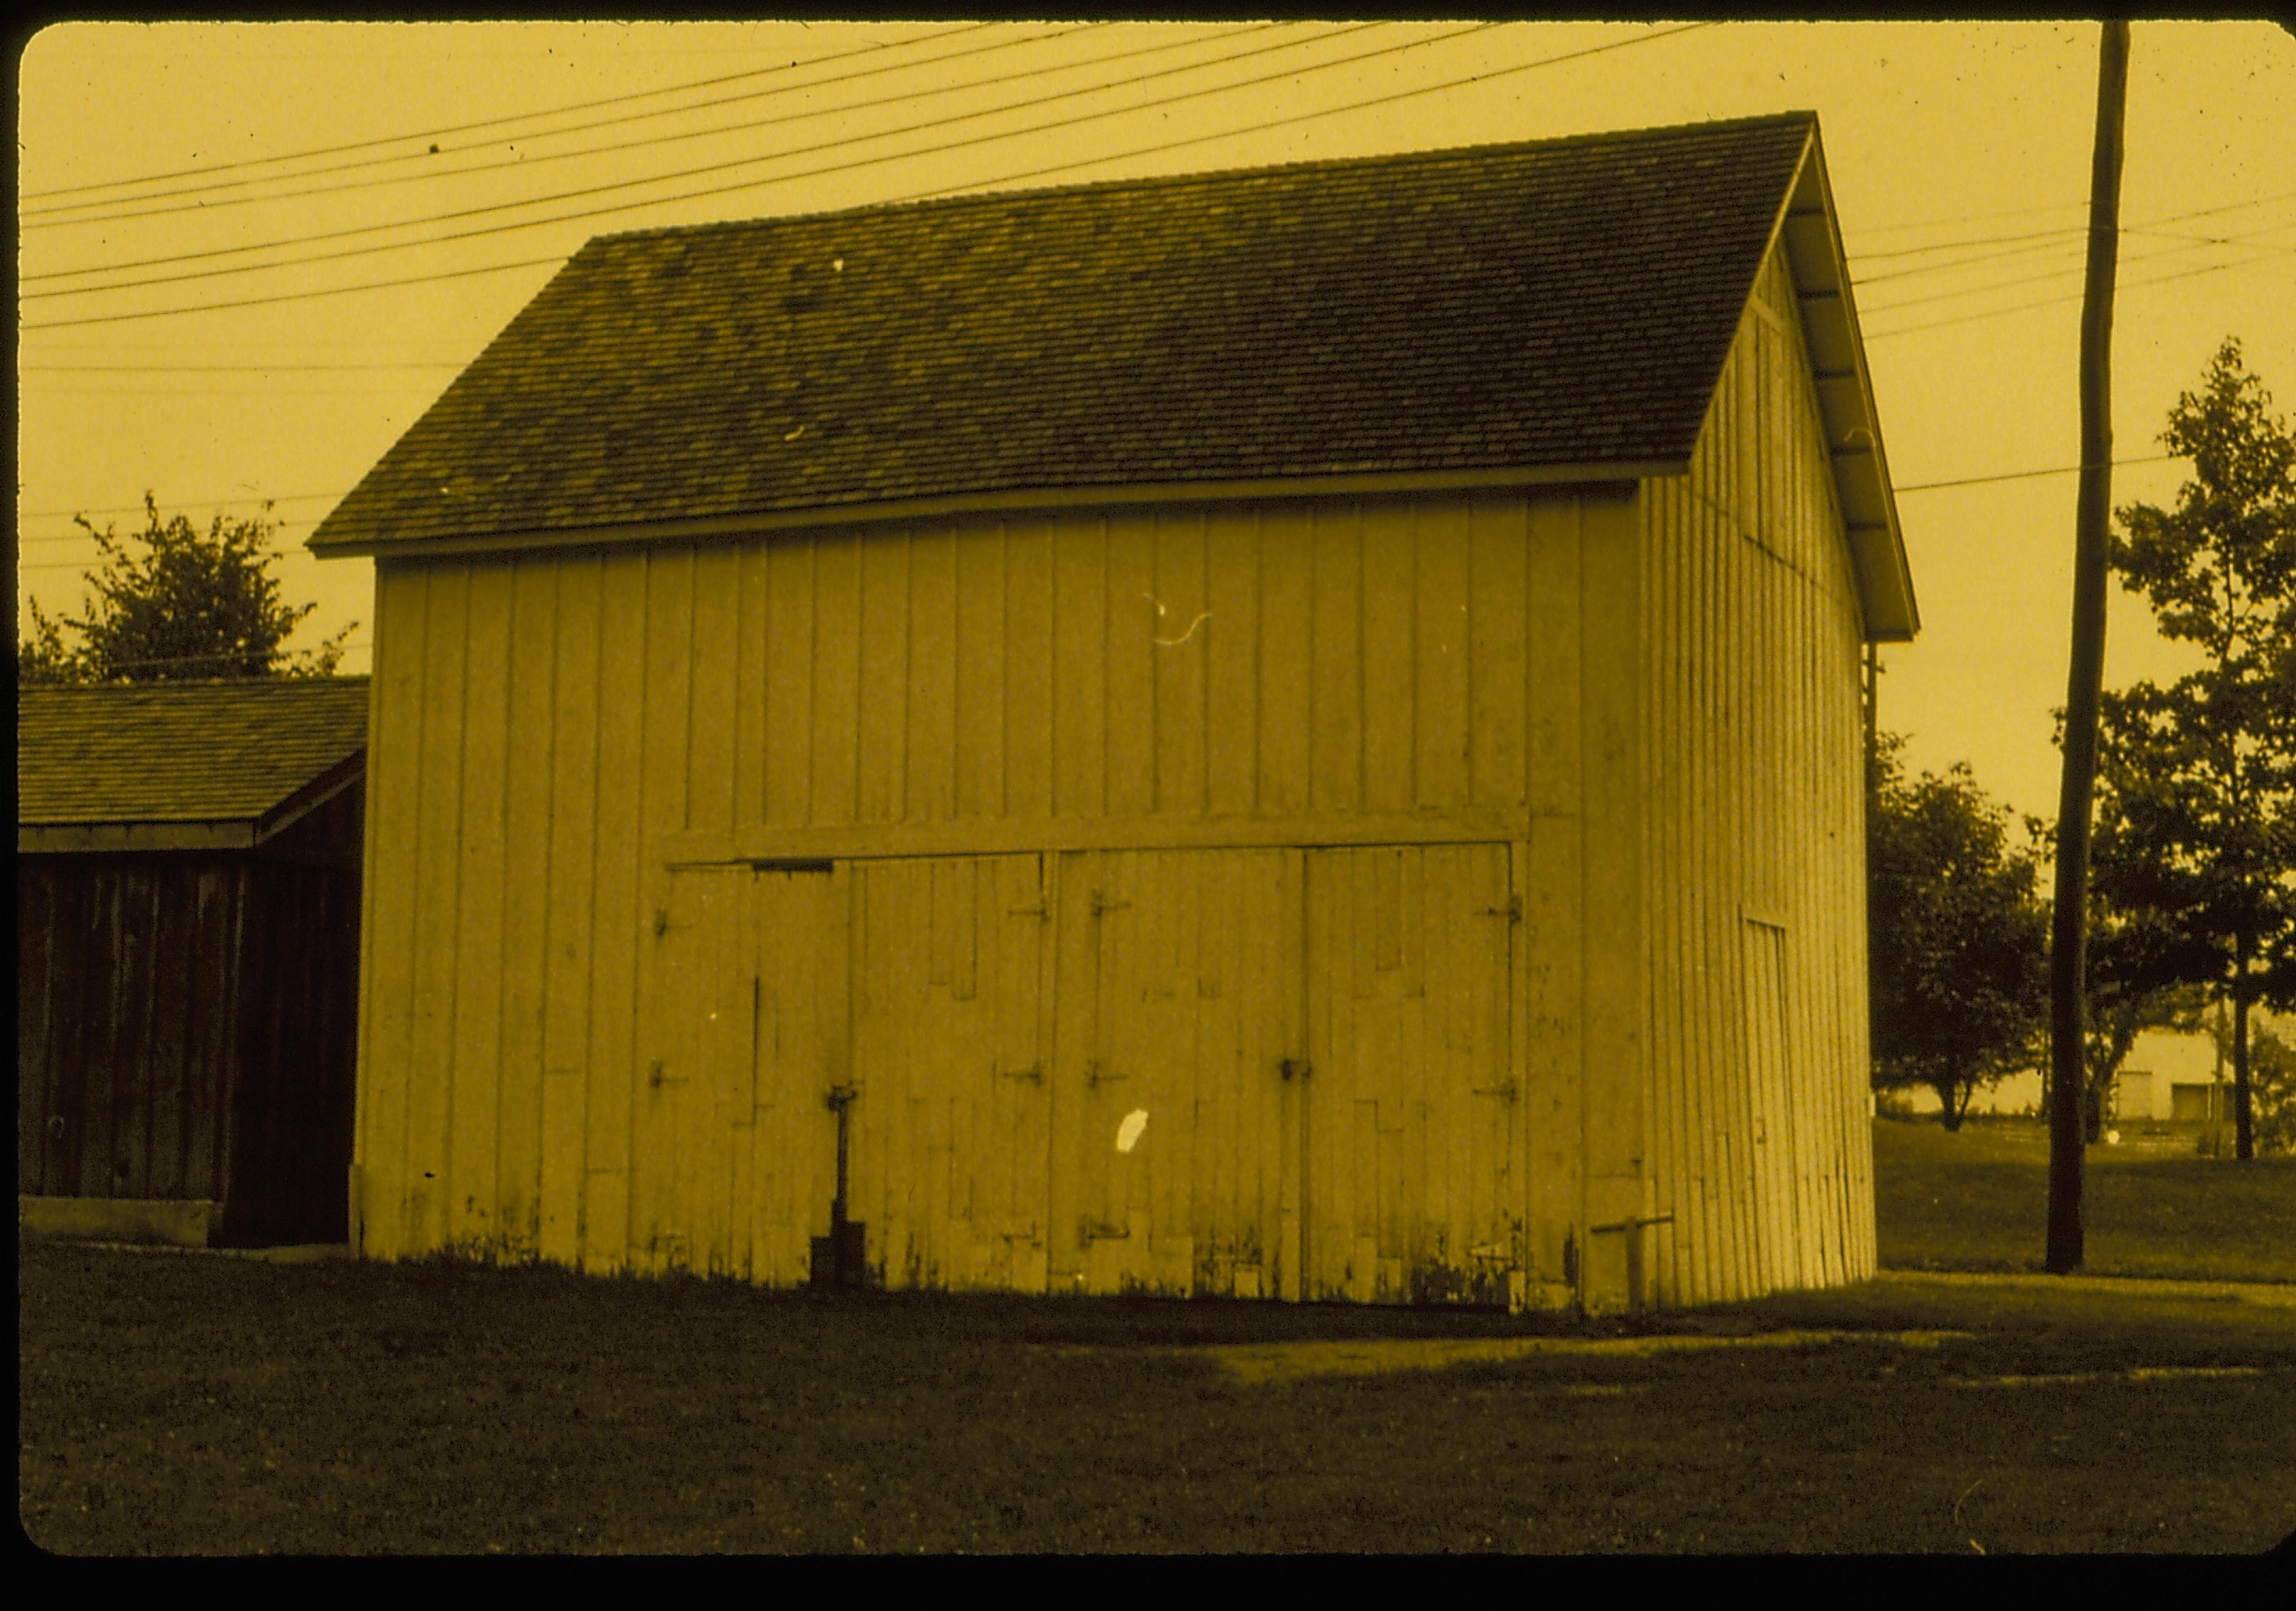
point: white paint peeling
(1127, 1133)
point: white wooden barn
(1291, 733)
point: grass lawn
(1977, 1199)
(183, 1404)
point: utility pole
(2068, 947)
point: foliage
(2198, 779)
(170, 604)
(2272, 1085)
(1959, 935)
(2140, 965)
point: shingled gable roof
(181, 765)
(1554, 309)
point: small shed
(1291, 733)
(187, 913)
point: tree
(2272, 1083)
(2139, 966)
(171, 604)
(1959, 935)
(2203, 773)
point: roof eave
(97, 838)
(311, 796)
(1812, 235)
(1009, 501)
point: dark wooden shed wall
(186, 1027)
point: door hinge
(1034, 1073)
(1090, 1230)
(1101, 903)
(1511, 910)
(1505, 1088)
(1295, 1068)
(1096, 1074)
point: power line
(2072, 229)
(2183, 273)
(825, 145)
(1254, 128)
(2020, 475)
(1968, 290)
(533, 162)
(749, 184)
(209, 660)
(187, 503)
(299, 296)
(155, 393)
(1968, 217)
(260, 368)
(459, 128)
(2032, 279)
(1916, 251)
(1009, 178)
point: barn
(1290, 733)
(187, 920)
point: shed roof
(181, 765)
(1561, 305)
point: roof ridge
(1198, 174)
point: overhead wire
(748, 184)
(1039, 173)
(194, 660)
(258, 367)
(2032, 279)
(2071, 296)
(457, 128)
(712, 132)
(2022, 475)
(2078, 229)
(825, 145)
(1354, 106)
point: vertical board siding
(472, 1208)
(544, 722)
(437, 966)
(568, 827)
(186, 1035)
(526, 941)
(1751, 638)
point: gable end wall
(1753, 843)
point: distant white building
(2168, 1077)
(2179, 1077)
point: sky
(381, 199)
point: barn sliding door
(950, 1110)
(1176, 1122)
(1413, 1129)
(730, 1163)
(1246, 1073)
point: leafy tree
(2200, 774)
(2272, 1085)
(2140, 966)
(1959, 940)
(171, 604)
